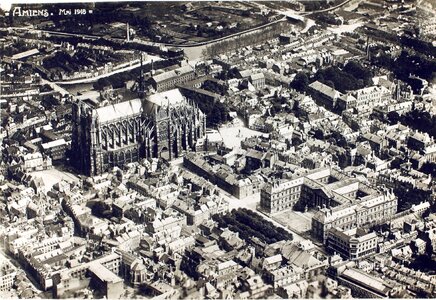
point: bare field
(295, 221)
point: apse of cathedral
(160, 125)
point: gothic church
(159, 125)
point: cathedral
(161, 125)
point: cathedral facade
(162, 125)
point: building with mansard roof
(160, 125)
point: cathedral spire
(141, 83)
(168, 105)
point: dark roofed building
(169, 80)
(324, 94)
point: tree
(319, 134)
(339, 139)
(396, 163)
(214, 87)
(296, 141)
(101, 209)
(423, 263)
(408, 195)
(217, 115)
(353, 76)
(421, 121)
(101, 83)
(393, 117)
(358, 71)
(329, 83)
(429, 168)
(300, 82)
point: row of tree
(250, 224)
(252, 38)
(328, 18)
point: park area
(186, 23)
(173, 22)
(250, 224)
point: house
(132, 269)
(8, 272)
(55, 149)
(258, 80)
(352, 244)
(324, 94)
(303, 259)
(105, 280)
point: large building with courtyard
(339, 200)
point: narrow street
(15, 263)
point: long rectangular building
(168, 80)
(364, 285)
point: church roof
(119, 110)
(162, 99)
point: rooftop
(324, 89)
(367, 281)
(103, 273)
(53, 144)
(257, 76)
(165, 98)
(173, 73)
(119, 110)
(25, 54)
